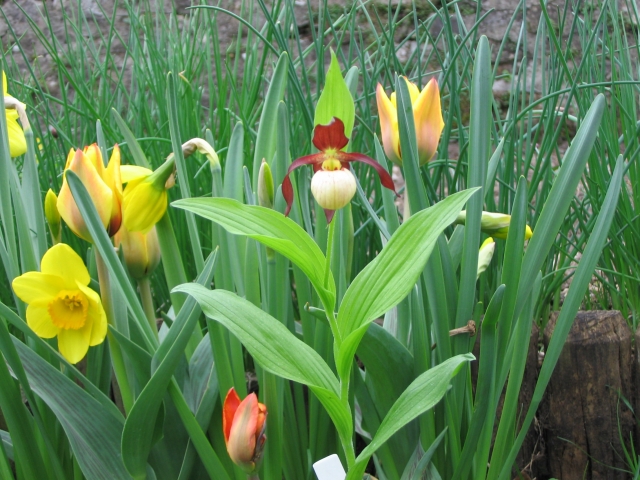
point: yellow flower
(145, 197)
(53, 216)
(427, 117)
(17, 141)
(141, 251)
(485, 255)
(61, 304)
(103, 184)
(494, 224)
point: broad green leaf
(273, 230)
(335, 99)
(266, 140)
(390, 277)
(424, 393)
(274, 347)
(137, 437)
(94, 434)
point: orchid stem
(253, 477)
(117, 360)
(147, 303)
(327, 266)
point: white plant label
(330, 468)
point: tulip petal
(242, 437)
(129, 173)
(330, 136)
(96, 321)
(388, 125)
(231, 403)
(94, 156)
(287, 187)
(62, 261)
(427, 114)
(39, 320)
(112, 178)
(74, 344)
(385, 178)
(35, 286)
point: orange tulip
(244, 424)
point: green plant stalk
(144, 285)
(117, 360)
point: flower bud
(53, 216)
(485, 255)
(243, 425)
(494, 224)
(17, 140)
(333, 189)
(141, 251)
(265, 186)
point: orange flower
(244, 424)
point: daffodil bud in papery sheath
(244, 425)
(53, 216)
(494, 224)
(427, 118)
(145, 197)
(485, 255)
(17, 140)
(141, 251)
(265, 186)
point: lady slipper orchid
(243, 425)
(17, 140)
(333, 185)
(103, 184)
(427, 118)
(61, 304)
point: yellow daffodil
(427, 117)
(141, 251)
(494, 224)
(145, 196)
(17, 141)
(53, 216)
(103, 184)
(61, 304)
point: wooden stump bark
(583, 415)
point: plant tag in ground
(330, 468)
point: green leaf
(390, 277)
(94, 434)
(335, 99)
(137, 437)
(424, 393)
(273, 230)
(274, 347)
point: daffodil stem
(147, 303)
(327, 265)
(116, 355)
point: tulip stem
(327, 265)
(147, 303)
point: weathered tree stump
(583, 415)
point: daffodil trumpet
(333, 185)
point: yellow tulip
(17, 141)
(141, 251)
(61, 304)
(145, 196)
(427, 117)
(103, 184)
(494, 224)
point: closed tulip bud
(53, 216)
(494, 224)
(485, 255)
(141, 251)
(244, 425)
(265, 186)
(427, 119)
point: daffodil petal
(96, 317)
(133, 172)
(17, 140)
(62, 261)
(74, 344)
(143, 206)
(34, 286)
(39, 320)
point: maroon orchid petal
(330, 136)
(385, 178)
(329, 214)
(287, 187)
